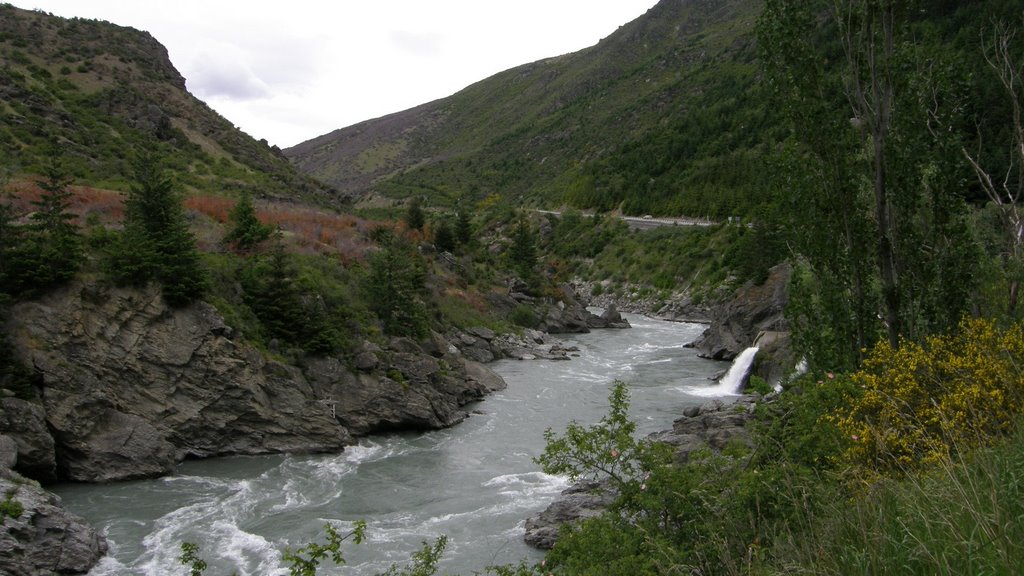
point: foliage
(444, 237)
(395, 289)
(48, 251)
(523, 315)
(305, 560)
(604, 450)
(958, 518)
(10, 508)
(156, 244)
(918, 405)
(190, 559)
(522, 253)
(246, 230)
(288, 309)
(414, 217)
(888, 184)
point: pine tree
(53, 235)
(414, 217)
(156, 243)
(272, 293)
(444, 238)
(395, 289)
(246, 230)
(463, 228)
(523, 252)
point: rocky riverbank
(713, 426)
(128, 388)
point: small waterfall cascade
(732, 382)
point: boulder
(578, 502)
(45, 538)
(25, 423)
(610, 318)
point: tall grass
(964, 516)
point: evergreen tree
(395, 289)
(156, 243)
(48, 251)
(523, 252)
(463, 227)
(246, 230)
(53, 235)
(273, 294)
(444, 237)
(414, 217)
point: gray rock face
(751, 310)
(713, 426)
(578, 502)
(25, 424)
(418, 390)
(130, 386)
(45, 539)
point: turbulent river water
(475, 482)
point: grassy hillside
(100, 91)
(662, 116)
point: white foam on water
(249, 553)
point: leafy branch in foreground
(606, 449)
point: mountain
(661, 116)
(100, 91)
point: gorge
(475, 482)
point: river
(475, 482)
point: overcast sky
(288, 71)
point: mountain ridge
(533, 130)
(101, 91)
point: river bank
(475, 482)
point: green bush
(523, 315)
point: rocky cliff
(752, 310)
(130, 387)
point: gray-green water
(475, 482)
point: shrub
(523, 315)
(918, 404)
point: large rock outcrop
(753, 309)
(130, 387)
(43, 538)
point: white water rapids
(475, 482)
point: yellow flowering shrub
(917, 405)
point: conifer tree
(414, 217)
(54, 239)
(46, 252)
(156, 243)
(523, 252)
(444, 237)
(463, 227)
(271, 291)
(395, 289)
(246, 230)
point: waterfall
(733, 380)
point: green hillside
(662, 116)
(101, 91)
